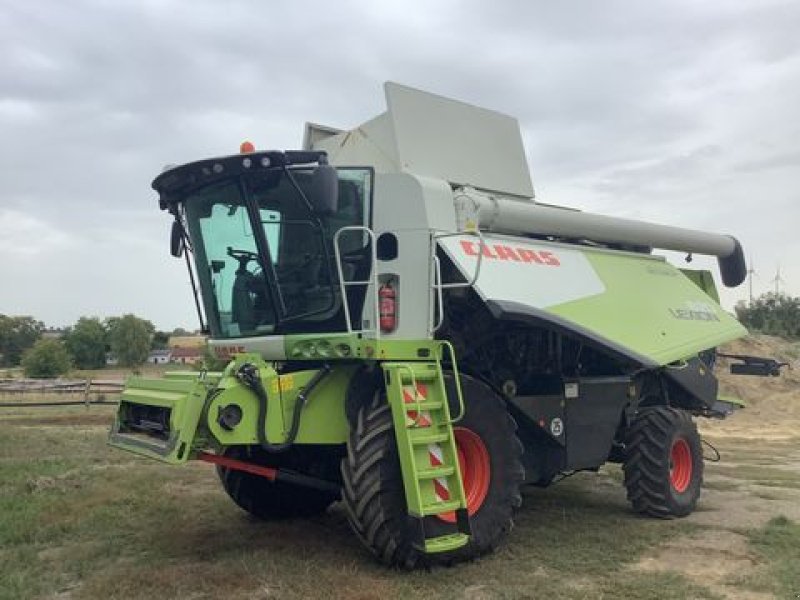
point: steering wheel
(243, 256)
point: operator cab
(261, 227)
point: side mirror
(325, 189)
(176, 240)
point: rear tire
(279, 500)
(664, 463)
(373, 490)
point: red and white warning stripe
(410, 396)
(440, 485)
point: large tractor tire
(664, 463)
(490, 460)
(270, 501)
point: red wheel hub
(476, 470)
(680, 465)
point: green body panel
(737, 402)
(406, 350)
(194, 401)
(184, 398)
(333, 346)
(322, 421)
(322, 346)
(192, 375)
(650, 309)
(704, 280)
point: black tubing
(248, 374)
(300, 479)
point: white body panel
(271, 347)
(458, 142)
(433, 136)
(536, 275)
(410, 207)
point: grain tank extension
(410, 332)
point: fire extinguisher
(388, 307)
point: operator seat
(250, 305)
(242, 303)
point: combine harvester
(410, 332)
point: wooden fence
(91, 391)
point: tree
(86, 342)
(17, 334)
(130, 338)
(160, 340)
(773, 314)
(46, 359)
(211, 362)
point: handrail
(437, 286)
(372, 281)
(461, 408)
(438, 302)
(482, 245)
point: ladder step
(422, 436)
(437, 508)
(433, 472)
(425, 405)
(445, 543)
(428, 375)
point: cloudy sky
(680, 112)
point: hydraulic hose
(249, 375)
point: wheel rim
(680, 465)
(476, 470)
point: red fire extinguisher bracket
(387, 299)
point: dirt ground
(745, 489)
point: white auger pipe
(518, 217)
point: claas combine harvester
(411, 333)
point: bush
(86, 342)
(47, 359)
(130, 338)
(17, 334)
(210, 362)
(773, 314)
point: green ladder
(428, 458)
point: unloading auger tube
(506, 215)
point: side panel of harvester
(635, 305)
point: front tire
(374, 495)
(664, 463)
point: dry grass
(80, 520)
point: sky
(678, 112)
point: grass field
(80, 520)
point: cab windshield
(265, 259)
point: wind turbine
(750, 272)
(778, 280)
